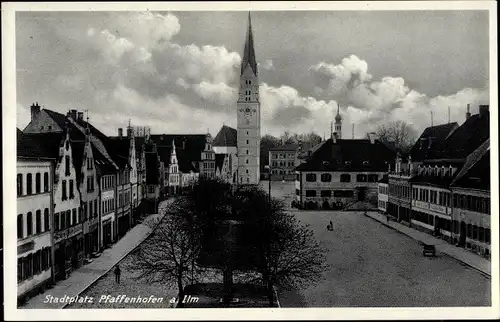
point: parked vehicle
(429, 250)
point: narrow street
(81, 278)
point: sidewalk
(83, 277)
(475, 261)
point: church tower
(338, 123)
(248, 115)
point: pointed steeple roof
(338, 117)
(249, 52)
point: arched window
(326, 177)
(29, 184)
(29, 224)
(38, 222)
(20, 227)
(19, 184)
(46, 220)
(46, 182)
(38, 185)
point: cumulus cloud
(368, 101)
(267, 65)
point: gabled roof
(102, 164)
(39, 145)
(349, 155)
(476, 171)
(436, 134)
(227, 136)
(309, 152)
(191, 144)
(77, 155)
(464, 140)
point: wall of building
(371, 188)
(40, 202)
(383, 196)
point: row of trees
(216, 226)
(398, 134)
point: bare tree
(286, 253)
(397, 133)
(169, 255)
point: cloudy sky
(178, 71)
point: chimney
(35, 111)
(120, 133)
(72, 113)
(372, 137)
(467, 115)
(80, 116)
(484, 110)
(335, 137)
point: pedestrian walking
(117, 274)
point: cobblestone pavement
(375, 266)
(81, 278)
(460, 254)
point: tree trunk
(270, 294)
(180, 297)
(228, 286)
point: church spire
(249, 52)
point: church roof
(227, 136)
(249, 52)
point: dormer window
(348, 163)
(365, 162)
(326, 163)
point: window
(38, 185)
(487, 235)
(56, 222)
(46, 182)
(326, 193)
(247, 141)
(63, 220)
(345, 177)
(46, 221)
(19, 184)
(95, 208)
(310, 193)
(71, 192)
(20, 228)
(68, 218)
(29, 224)
(89, 208)
(297, 192)
(64, 192)
(372, 177)
(29, 184)
(246, 161)
(38, 222)
(297, 176)
(80, 214)
(311, 177)
(343, 193)
(326, 177)
(74, 222)
(361, 178)
(66, 159)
